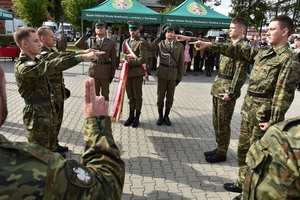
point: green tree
(55, 10)
(252, 10)
(32, 12)
(72, 10)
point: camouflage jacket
(234, 68)
(140, 49)
(56, 80)
(274, 72)
(33, 83)
(274, 164)
(29, 171)
(165, 51)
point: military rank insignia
(29, 63)
(79, 174)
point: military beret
(168, 26)
(134, 25)
(99, 23)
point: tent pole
(81, 36)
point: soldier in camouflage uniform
(271, 86)
(134, 81)
(226, 89)
(30, 171)
(273, 162)
(103, 70)
(169, 71)
(40, 112)
(59, 91)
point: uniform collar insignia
(30, 63)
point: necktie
(171, 44)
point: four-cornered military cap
(168, 26)
(99, 23)
(134, 25)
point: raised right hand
(90, 32)
(94, 106)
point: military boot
(166, 117)
(136, 119)
(160, 118)
(130, 118)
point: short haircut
(284, 22)
(43, 30)
(241, 22)
(23, 33)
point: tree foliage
(252, 10)
(73, 9)
(32, 12)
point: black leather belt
(59, 80)
(168, 66)
(102, 63)
(260, 95)
(37, 100)
(225, 76)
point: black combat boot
(160, 118)
(130, 118)
(136, 119)
(166, 117)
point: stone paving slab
(163, 162)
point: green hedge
(5, 39)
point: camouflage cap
(168, 26)
(99, 23)
(134, 25)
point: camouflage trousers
(249, 133)
(222, 114)
(40, 121)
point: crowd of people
(40, 83)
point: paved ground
(161, 162)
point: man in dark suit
(169, 71)
(136, 58)
(102, 70)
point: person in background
(169, 71)
(61, 42)
(210, 58)
(102, 70)
(32, 79)
(198, 59)
(262, 43)
(42, 174)
(150, 59)
(187, 56)
(134, 83)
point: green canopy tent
(121, 11)
(6, 15)
(194, 13)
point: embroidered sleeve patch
(79, 174)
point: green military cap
(99, 23)
(134, 25)
(168, 26)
